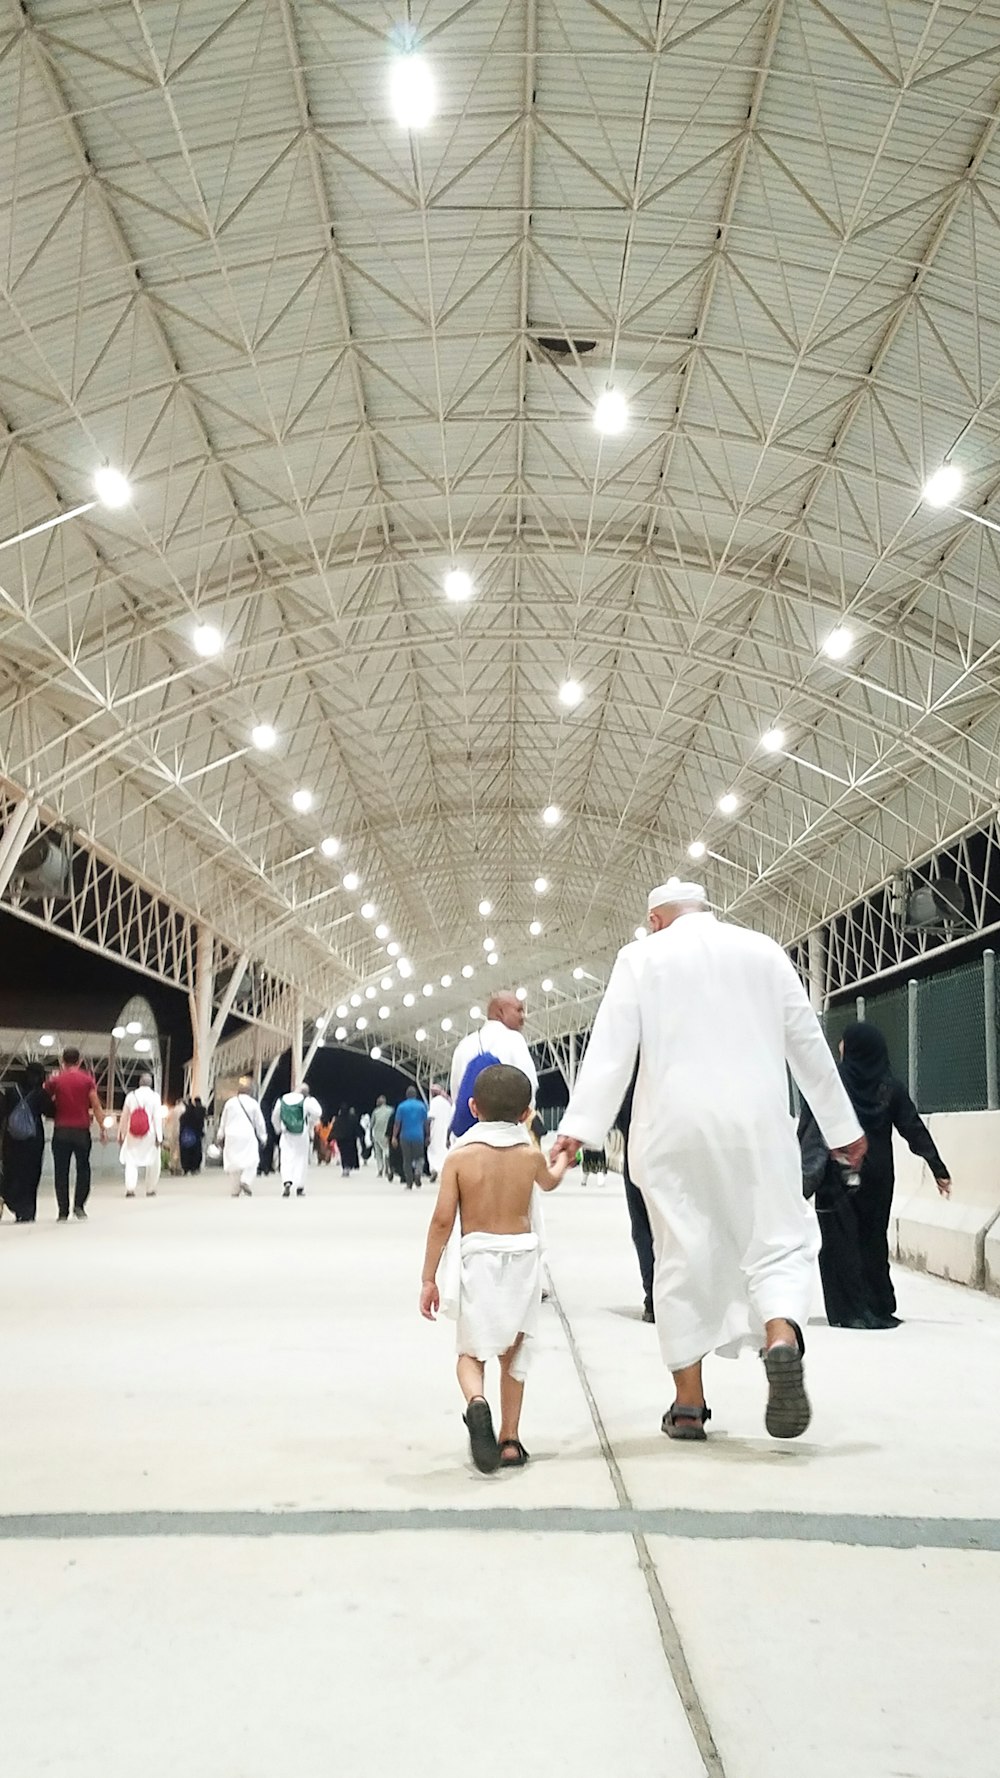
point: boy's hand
(560, 1163)
(430, 1301)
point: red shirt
(70, 1091)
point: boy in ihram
(493, 1271)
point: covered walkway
(233, 1463)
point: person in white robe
(141, 1150)
(439, 1114)
(500, 1035)
(242, 1134)
(295, 1126)
(714, 1012)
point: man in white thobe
(294, 1119)
(714, 1013)
(242, 1133)
(439, 1114)
(500, 1035)
(140, 1149)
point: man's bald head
(507, 1009)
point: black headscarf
(866, 1073)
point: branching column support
(15, 837)
(200, 1000)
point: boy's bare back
(495, 1185)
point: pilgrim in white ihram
(140, 1133)
(492, 1284)
(294, 1119)
(241, 1133)
(714, 1013)
(439, 1116)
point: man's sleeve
(457, 1068)
(607, 1067)
(813, 1067)
(525, 1061)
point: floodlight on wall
(208, 640)
(411, 91)
(458, 586)
(943, 487)
(611, 413)
(263, 736)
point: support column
(913, 1040)
(817, 972)
(296, 1042)
(269, 1076)
(572, 1061)
(319, 1038)
(201, 1014)
(15, 837)
(990, 1022)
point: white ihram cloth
(295, 1151)
(440, 1112)
(241, 1133)
(492, 1284)
(714, 1012)
(138, 1152)
(493, 1039)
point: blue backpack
(22, 1124)
(464, 1116)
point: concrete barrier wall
(948, 1236)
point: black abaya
(22, 1160)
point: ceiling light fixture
(143, 1046)
(839, 643)
(405, 967)
(548, 985)
(458, 586)
(541, 885)
(361, 1024)
(411, 91)
(468, 971)
(428, 990)
(302, 801)
(263, 736)
(387, 984)
(475, 1012)
(47, 1042)
(728, 804)
(112, 488)
(385, 1012)
(535, 928)
(446, 1024)
(352, 881)
(446, 981)
(355, 999)
(208, 640)
(370, 993)
(571, 693)
(330, 846)
(773, 740)
(118, 1032)
(368, 910)
(697, 849)
(492, 959)
(381, 930)
(486, 909)
(578, 974)
(393, 948)
(611, 413)
(552, 815)
(489, 944)
(420, 1034)
(340, 1033)
(409, 1000)
(375, 1053)
(133, 1027)
(521, 993)
(342, 1012)
(943, 487)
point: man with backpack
(293, 1120)
(140, 1135)
(499, 1039)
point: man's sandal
(520, 1457)
(788, 1412)
(686, 1422)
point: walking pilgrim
(714, 1013)
(242, 1133)
(293, 1120)
(140, 1134)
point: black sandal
(482, 1438)
(686, 1422)
(520, 1457)
(788, 1412)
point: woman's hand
(944, 1187)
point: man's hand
(559, 1164)
(565, 1145)
(944, 1187)
(854, 1153)
(430, 1300)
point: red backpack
(138, 1123)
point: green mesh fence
(951, 1035)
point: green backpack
(293, 1117)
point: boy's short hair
(502, 1094)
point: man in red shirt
(72, 1094)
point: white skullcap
(674, 893)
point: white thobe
(495, 1040)
(241, 1133)
(439, 1112)
(294, 1151)
(138, 1153)
(715, 1012)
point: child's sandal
(520, 1457)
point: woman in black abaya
(23, 1145)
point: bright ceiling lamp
(446, 1024)
(571, 693)
(943, 487)
(112, 488)
(521, 993)
(393, 948)
(381, 930)
(420, 1034)
(405, 967)
(118, 1032)
(47, 1042)
(302, 801)
(208, 640)
(387, 984)
(611, 413)
(728, 804)
(355, 999)
(375, 1053)
(330, 846)
(475, 1012)
(535, 928)
(341, 1012)
(640, 932)
(352, 881)
(361, 1024)
(322, 1022)
(263, 736)
(411, 92)
(552, 815)
(697, 849)
(839, 643)
(493, 959)
(773, 740)
(143, 1046)
(340, 1033)
(458, 586)
(370, 993)
(468, 971)
(541, 885)
(409, 1000)
(489, 944)
(133, 1027)
(446, 981)
(428, 989)
(368, 910)
(486, 909)
(578, 974)
(385, 1012)
(548, 985)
